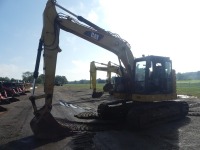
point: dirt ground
(15, 131)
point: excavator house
(145, 92)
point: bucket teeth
(46, 127)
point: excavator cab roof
(153, 57)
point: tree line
(188, 76)
(28, 77)
(6, 79)
(84, 81)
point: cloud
(154, 27)
(166, 28)
(79, 69)
(11, 71)
(81, 65)
(93, 17)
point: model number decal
(94, 35)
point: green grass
(188, 87)
(184, 87)
(188, 81)
(84, 86)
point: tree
(60, 80)
(27, 76)
(198, 75)
(40, 79)
(83, 81)
(101, 81)
(13, 80)
(64, 79)
(179, 76)
(4, 79)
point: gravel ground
(15, 131)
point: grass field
(85, 86)
(188, 87)
(185, 87)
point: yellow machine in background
(147, 85)
(109, 68)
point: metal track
(196, 113)
(132, 114)
(83, 141)
(193, 111)
(143, 114)
(87, 115)
(147, 115)
(92, 126)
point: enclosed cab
(152, 76)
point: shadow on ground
(26, 143)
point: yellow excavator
(148, 87)
(109, 68)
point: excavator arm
(43, 124)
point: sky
(158, 27)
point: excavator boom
(49, 41)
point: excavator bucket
(97, 94)
(46, 127)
